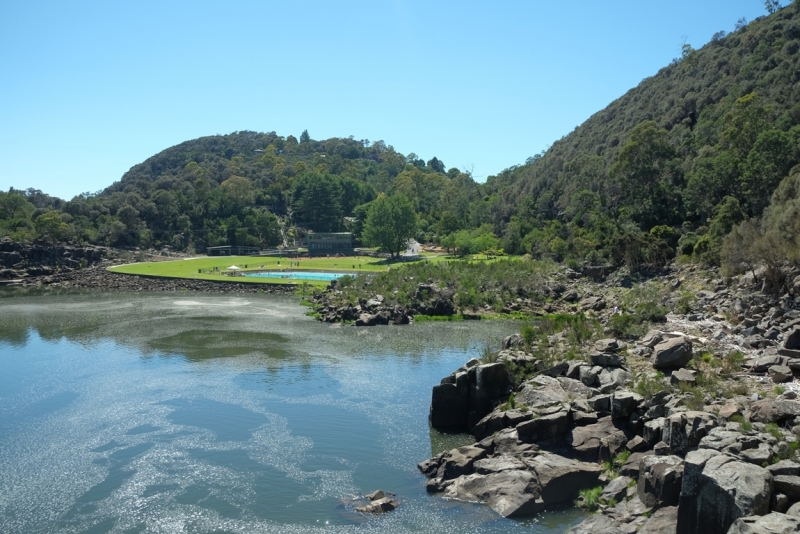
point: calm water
(187, 413)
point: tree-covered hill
(716, 128)
(231, 189)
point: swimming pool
(298, 275)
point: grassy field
(203, 268)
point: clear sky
(89, 89)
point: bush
(590, 498)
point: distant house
(330, 242)
(227, 250)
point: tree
(13, 205)
(304, 137)
(391, 222)
(772, 6)
(317, 201)
(50, 226)
(436, 164)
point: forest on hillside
(706, 152)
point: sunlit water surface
(187, 413)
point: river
(198, 413)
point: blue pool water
(298, 275)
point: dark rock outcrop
(468, 395)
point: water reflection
(268, 421)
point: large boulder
(685, 430)
(449, 403)
(496, 421)
(718, 489)
(792, 339)
(672, 354)
(660, 479)
(514, 489)
(774, 410)
(467, 396)
(511, 493)
(599, 441)
(544, 427)
(663, 521)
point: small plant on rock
(744, 425)
(647, 385)
(590, 498)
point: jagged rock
(616, 490)
(607, 359)
(570, 296)
(497, 421)
(631, 467)
(785, 467)
(760, 455)
(772, 523)
(636, 444)
(458, 462)
(663, 521)
(600, 440)
(729, 409)
(544, 427)
(550, 479)
(718, 489)
(652, 338)
(779, 503)
(773, 410)
(378, 507)
(580, 418)
(684, 430)
(512, 341)
(719, 439)
(660, 479)
(559, 369)
(607, 345)
(672, 354)
(375, 495)
(682, 376)
(464, 398)
(780, 374)
(623, 403)
(762, 364)
(792, 339)
(789, 485)
(544, 389)
(592, 303)
(588, 376)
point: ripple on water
(121, 436)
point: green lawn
(203, 268)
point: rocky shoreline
(101, 279)
(635, 428)
(85, 267)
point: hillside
(719, 121)
(232, 189)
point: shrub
(590, 498)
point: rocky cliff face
(20, 261)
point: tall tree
(391, 222)
(317, 202)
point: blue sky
(90, 89)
